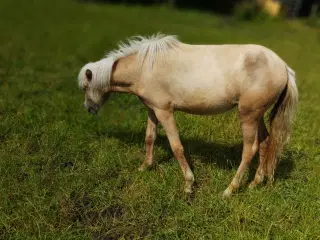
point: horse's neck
(125, 75)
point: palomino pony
(168, 75)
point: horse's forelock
(82, 76)
(101, 73)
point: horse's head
(93, 80)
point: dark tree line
(217, 6)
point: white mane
(148, 49)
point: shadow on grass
(219, 154)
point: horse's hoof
(189, 184)
(252, 185)
(188, 189)
(143, 167)
(270, 184)
(226, 194)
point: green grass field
(65, 174)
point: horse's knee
(149, 140)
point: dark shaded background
(299, 8)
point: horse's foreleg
(168, 122)
(151, 134)
(249, 125)
(263, 143)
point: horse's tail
(281, 117)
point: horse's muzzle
(92, 110)
(91, 107)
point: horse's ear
(89, 74)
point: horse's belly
(204, 111)
(201, 107)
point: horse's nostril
(92, 110)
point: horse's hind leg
(249, 124)
(151, 134)
(263, 144)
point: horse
(168, 75)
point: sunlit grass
(66, 174)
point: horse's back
(250, 74)
(232, 66)
(209, 79)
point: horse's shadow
(219, 154)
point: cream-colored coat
(212, 79)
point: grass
(67, 175)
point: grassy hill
(67, 175)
